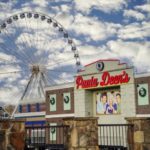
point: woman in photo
(110, 107)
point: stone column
(141, 133)
(2, 140)
(12, 134)
(82, 133)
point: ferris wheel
(37, 48)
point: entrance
(115, 136)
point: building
(106, 89)
(59, 102)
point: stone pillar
(2, 140)
(12, 134)
(141, 133)
(82, 133)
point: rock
(83, 141)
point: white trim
(30, 114)
(143, 115)
(59, 115)
(142, 75)
(32, 101)
(60, 86)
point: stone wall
(141, 133)
(12, 135)
(82, 134)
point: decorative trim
(143, 115)
(142, 75)
(32, 101)
(30, 114)
(60, 86)
(59, 115)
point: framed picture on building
(108, 102)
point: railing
(115, 136)
(46, 136)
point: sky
(100, 29)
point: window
(67, 101)
(20, 108)
(28, 108)
(37, 107)
(52, 131)
(143, 97)
(52, 102)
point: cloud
(137, 52)
(6, 7)
(6, 58)
(134, 14)
(44, 3)
(10, 95)
(94, 29)
(144, 8)
(103, 5)
(133, 53)
(135, 31)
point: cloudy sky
(100, 29)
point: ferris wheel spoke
(51, 81)
(58, 63)
(11, 72)
(31, 41)
(59, 70)
(44, 78)
(14, 46)
(8, 50)
(31, 77)
(24, 42)
(58, 76)
(3, 60)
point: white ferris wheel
(37, 48)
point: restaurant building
(106, 89)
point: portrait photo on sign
(108, 102)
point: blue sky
(101, 29)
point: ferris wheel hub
(35, 69)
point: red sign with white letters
(106, 80)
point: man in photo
(118, 100)
(102, 103)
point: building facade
(59, 103)
(32, 111)
(105, 89)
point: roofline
(102, 60)
(142, 75)
(59, 86)
(82, 70)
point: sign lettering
(106, 80)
